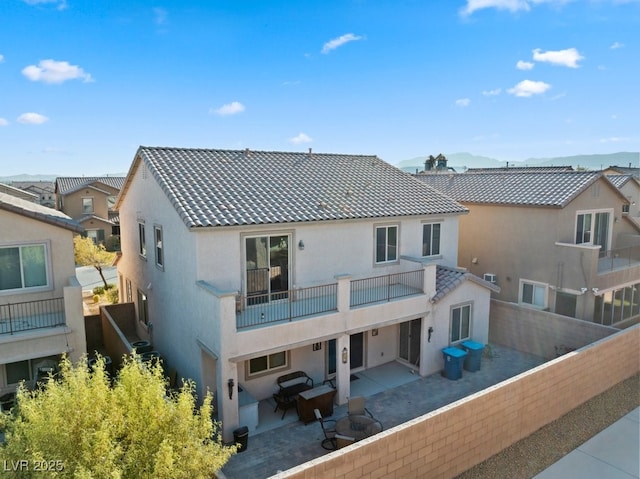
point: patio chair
(343, 441)
(329, 431)
(357, 408)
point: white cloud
(1, 58)
(528, 88)
(338, 42)
(229, 109)
(510, 5)
(160, 16)
(568, 57)
(60, 4)
(301, 138)
(494, 92)
(616, 45)
(52, 71)
(3, 122)
(32, 119)
(522, 65)
(463, 102)
(613, 139)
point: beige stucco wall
(454, 438)
(72, 203)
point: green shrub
(98, 290)
(109, 286)
(96, 298)
(112, 295)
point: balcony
(263, 309)
(18, 317)
(616, 259)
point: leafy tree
(84, 427)
(87, 253)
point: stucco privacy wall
(540, 332)
(454, 438)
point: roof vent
(247, 152)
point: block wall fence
(454, 438)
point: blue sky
(83, 83)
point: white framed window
(96, 235)
(534, 294)
(111, 201)
(24, 267)
(142, 240)
(268, 363)
(143, 308)
(87, 206)
(129, 291)
(431, 239)
(593, 227)
(386, 244)
(460, 327)
(157, 235)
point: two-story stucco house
(90, 201)
(40, 298)
(560, 241)
(246, 265)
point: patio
(395, 394)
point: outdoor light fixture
(345, 355)
(230, 384)
(300, 245)
(430, 332)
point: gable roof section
(620, 180)
(520, 169)
(448, 279)
(523, 189)
(69, 184)
(241, 187)
(38, 212)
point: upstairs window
(431, 239)
(157, 232)
(111, 201)
(142, 241)
(386, 244)
(23, 267)
(87, 206)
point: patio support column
(429, 281)
(344, 292)
(343, 370)
(74, 319)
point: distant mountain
(461, 161)
(43, 177)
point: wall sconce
(300, 245)
(429, 333)
(345, 355)
(317, 346)
(230, 384)
(374, 332)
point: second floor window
(142, 246)
(386, 244)
(87, 206)
(23, 267)
(159, 251)
(111, 201)
(431, 239)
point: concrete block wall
(454, 438)
(538, 332)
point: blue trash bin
(453, 359)
(473, 360)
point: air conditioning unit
(492, 278)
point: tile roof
(528, 189)
(520, 169)
(69, 184)
(448, 279)
(242, 187)
(38, 212)
(619, 180)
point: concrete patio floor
(395, 394)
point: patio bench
(289, 386)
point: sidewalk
(613, 453)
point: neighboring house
(18, 193)
(629, 185)
(246, 265)
(561, 241)
(520, 169)
(90, 201)
(40, 298)
(624, 170)
(43, 189)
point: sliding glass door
(267, 268)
